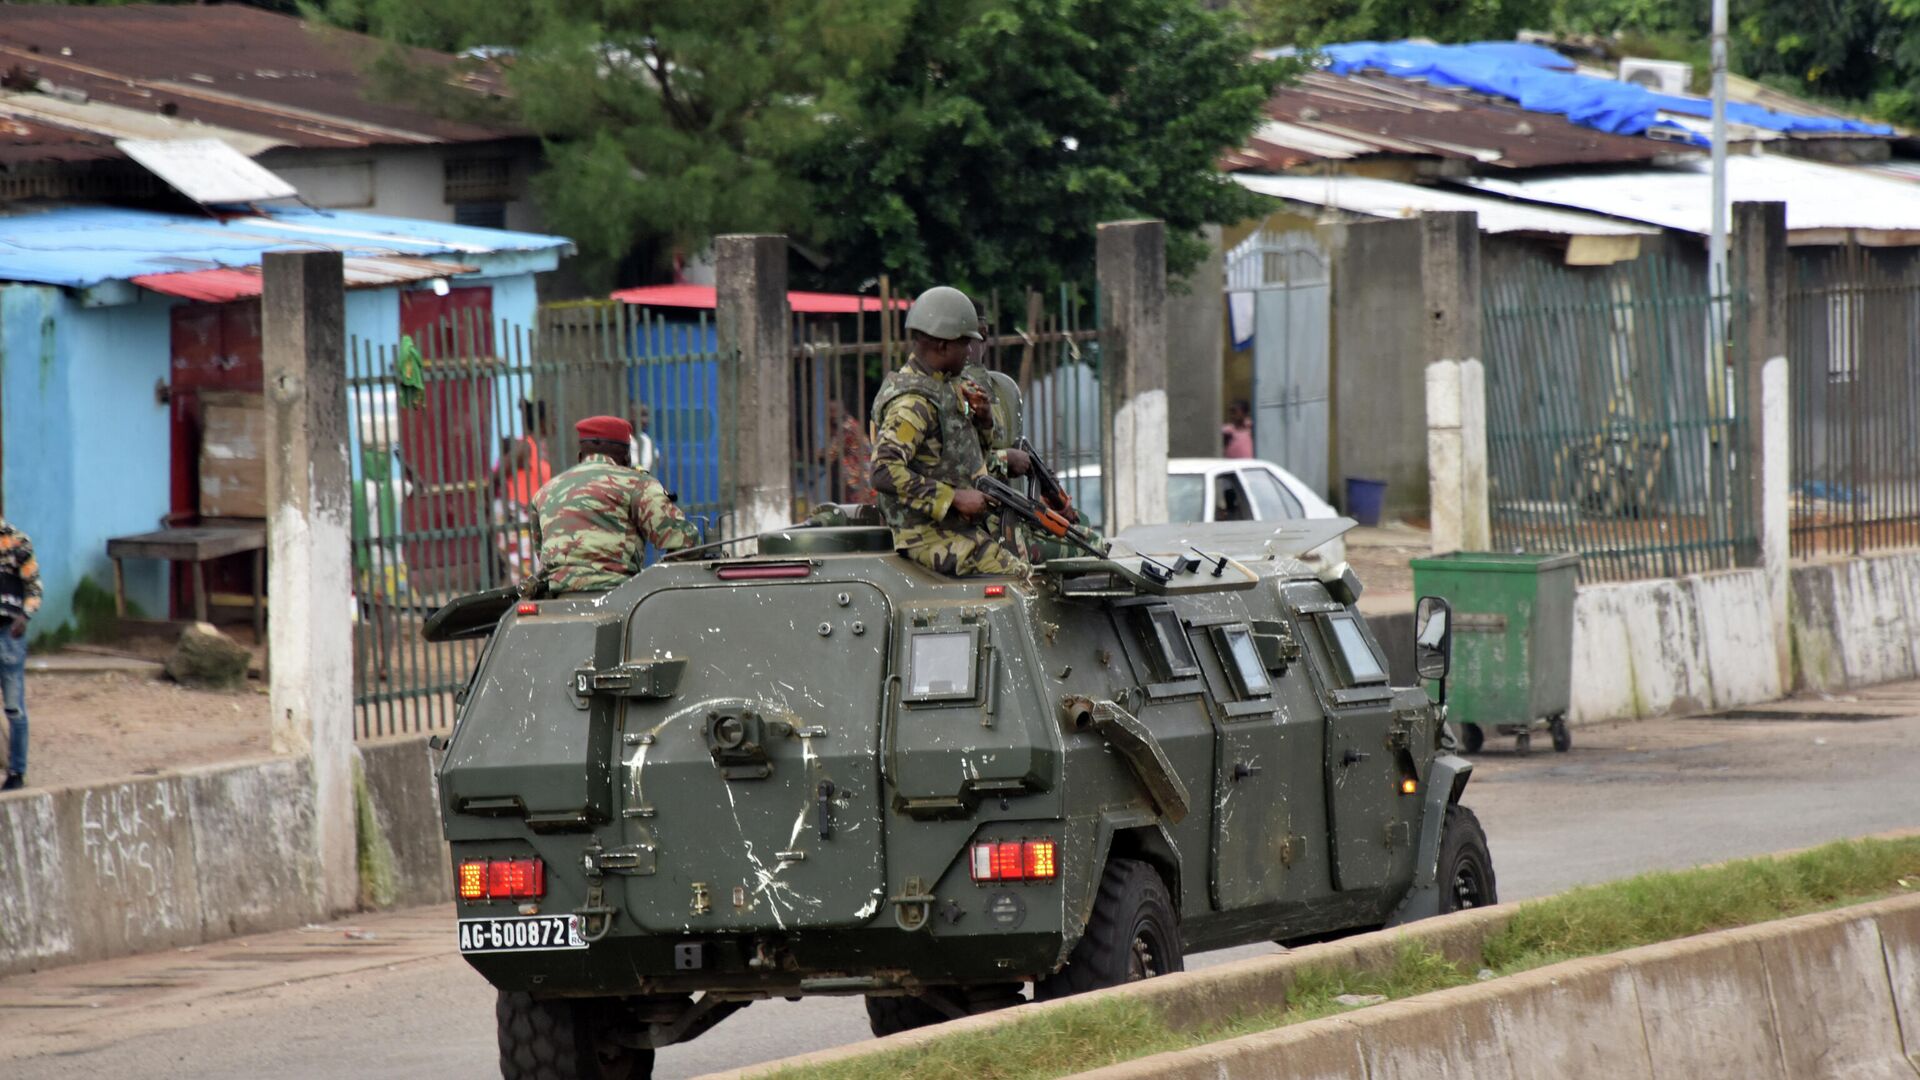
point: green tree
(1865, 51)
(1311, 23)
(1003, 131)
(664, 121)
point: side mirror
(1432, 638)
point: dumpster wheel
(1562, 735)
(1472, 737)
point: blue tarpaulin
(1541, 80)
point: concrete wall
(129, 866)
(86, 453)
(1379, 365)
(403, 181)
(1196, 330)
(1653, 648)
(1856, 621)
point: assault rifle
(1035, 513)
(1042, 482)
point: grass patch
(1087, 1035)
(1585, 922)
(1667, 905)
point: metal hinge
(633, 679)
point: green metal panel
(1512, 632)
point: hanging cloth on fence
(410, 375)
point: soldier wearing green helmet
(927, 451)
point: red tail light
(1014, 860)
(502, 879)
(528, 607)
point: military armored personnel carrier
(823, 769)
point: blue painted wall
(86, 451)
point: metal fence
(445, 467)
(1853, 320)
(1050, 349)
(1611, 417)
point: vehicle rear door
(753, 794)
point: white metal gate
(1284, 277)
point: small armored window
(1167, 641)
(941, 666)
(1242, 658)
(1357, 662)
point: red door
(449, 444)
(214, 347)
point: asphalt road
(385, 996)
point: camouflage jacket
(924, 446)
(19, 573)
(589, 523)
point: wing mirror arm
(1433, 641)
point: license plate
(533, 933)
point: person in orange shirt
(522, 470)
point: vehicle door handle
(826, 809)
(1353, 757)
(1242, 770)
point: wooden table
(195, 544)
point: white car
(1220, 489)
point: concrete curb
(1823, 995)
(91, 872)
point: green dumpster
(1512, 641)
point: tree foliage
(977, 141)
(1310, 23)
(1003, 131)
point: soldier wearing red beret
(592, 522)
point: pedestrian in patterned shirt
(19, 599)
(592, 523)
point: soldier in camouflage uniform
(927, 451)
(592, 522)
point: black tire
(1134, 934)
(558, 1040)
(1562, 735)
(1472, 737)
(1466, 866)
(890, 1015)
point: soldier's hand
(969, 503)
(1018, 462)
(20, 624)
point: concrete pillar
(1196, 324)
(1760, 267)
(1132, 266)
(756, 334)
(1457, 455)
(310, 640)
(1450, 284)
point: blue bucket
(1365, 499)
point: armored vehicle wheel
(888, 1015)
(1133, 935)
(1472, 737)
(1466, 867)
(1562, 736)
(563, 1040)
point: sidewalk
(89, 1005)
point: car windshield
(1186, 498)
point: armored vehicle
(823, 769)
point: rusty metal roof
(224, 67)
(24, 139)
(1327, 117)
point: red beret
(605, 429)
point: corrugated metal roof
(1326, 116)
(30, 139)
(78, 247)
(227, 66)
(1389, 199)
(219, 286)
(1825, 203)
(706, 297)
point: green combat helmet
(944, 312)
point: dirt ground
(1379, 556)
(84, 728)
